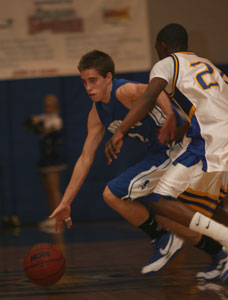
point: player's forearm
(80, 172)
(164, 103)
(144, 105)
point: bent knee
(108, 196)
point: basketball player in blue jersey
(201, 90)
(112, 99)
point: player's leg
(138, 215)
(175, 181)
(221, 215)
(134, 212)
(113, 202)
(206, 201)
(136, 182)
(221, 211)
(210, 203)
(202, 242)
(205, 194)
(141, 183)
(179, 178)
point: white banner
(40, 38)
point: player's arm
(164, 102)
(82, 167)
(141, 108)
(130, 93)
(181, 130)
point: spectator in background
(48, 126)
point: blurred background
(41, 42)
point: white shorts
(201, 190)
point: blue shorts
(139, 181)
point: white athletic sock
(209, 227)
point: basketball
(44, 264)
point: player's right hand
(167, 132)
(62, 213)
(113, 146)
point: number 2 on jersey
(208, 70)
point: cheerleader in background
(49, 127)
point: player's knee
(108, 196)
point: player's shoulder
(124, 88)
(163, 63)
(162, 68)
(130, 90)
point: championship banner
(40, 38)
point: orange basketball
(44, 264)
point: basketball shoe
(165, 248)
(216, 269)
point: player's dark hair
(175, 36)
(98, 60)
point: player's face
(161, 50)
(98, 87)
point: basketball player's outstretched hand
(62, 214)
(113, 146)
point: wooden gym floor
(103, 263)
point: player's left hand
(62, 214)
(113, 146)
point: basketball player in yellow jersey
(201, 90)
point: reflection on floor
(103, 262)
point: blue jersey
(112, 114)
